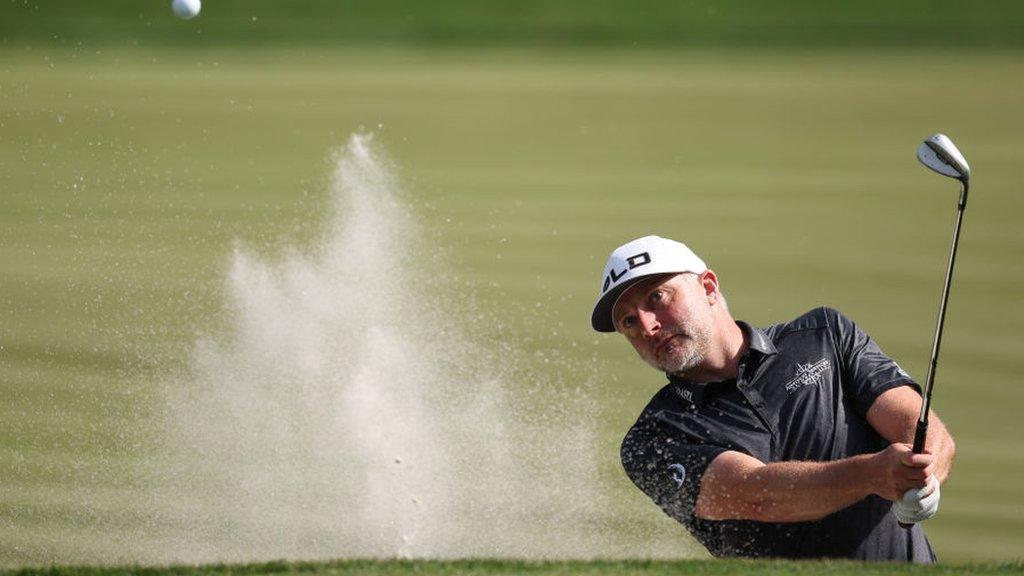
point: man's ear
(709, 282)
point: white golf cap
(638, 259)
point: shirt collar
(757, 339)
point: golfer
(789, 441)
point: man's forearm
(784, 491)
(940, 443)
(811, 490)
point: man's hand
(894, 416)
(899, 470)
(918, 505)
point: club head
(940, 154)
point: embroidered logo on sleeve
(678, 474)
(808, 375)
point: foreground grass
(497, 567)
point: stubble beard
(681, 357)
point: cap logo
(634, 261)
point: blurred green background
(566, 23)
(776, 138)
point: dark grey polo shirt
(803, 392)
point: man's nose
(649, 325)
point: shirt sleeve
(868, 371)
(666, 469)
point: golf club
(940, 154)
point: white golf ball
(186, 9)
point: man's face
(668, 321)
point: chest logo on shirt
(808, 375)
(678, 474)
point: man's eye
(657, 296)
(627, 322)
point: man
(788, 441)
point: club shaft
(922, 422)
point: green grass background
(558, 23)
(135, 151)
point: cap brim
(601, 318)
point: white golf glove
(919, 504)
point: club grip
(919, 436)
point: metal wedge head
(940, 154)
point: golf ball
(186, 9)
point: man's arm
(740, 487)
(891, 411)
(894, 416)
